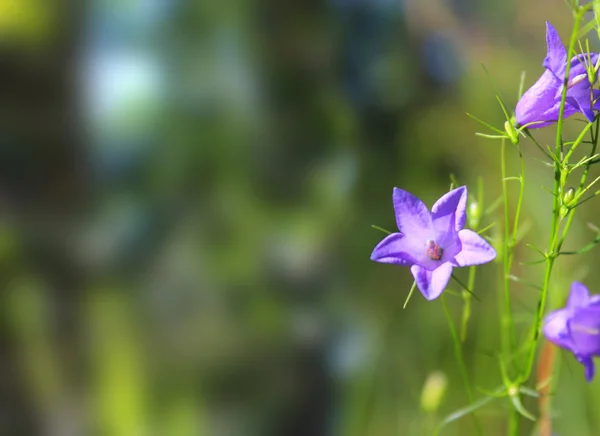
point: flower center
(434, 251)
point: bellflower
(432, 243)
(540, 105)
(577, 327)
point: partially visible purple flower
(540, 105)
(577, 327)
(432, 243)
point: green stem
(519, 203)
(513, 423)
(507, 325)
(557, 191)
(563, 98)
(458, 353)
(467, 297)
(467, 307)
(555, 246)
(582, 181)
(576, 143)
(538, 320)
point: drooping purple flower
(577, 327)
(540, 105)
(432, 243)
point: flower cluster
(434, 242)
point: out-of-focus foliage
(26, 21)
(187, 189)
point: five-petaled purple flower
(540, 105)
(577, 327)
(432, 243)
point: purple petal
(412, 216)
(579, 296)
(539, 103)
(555, 328)
(581, 98)
(432, 283)
(475, 249)
(397, 249)
(556, 57)
(584, 328)
(449, 212)
(590, 368)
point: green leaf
(583, 249)
(486, 228)
(528, 391)
(489, 126)
(523, 282)
(462, 285)
(379, 228)
(484, 135)
(412, 289)
(466, 411)
(519, 408)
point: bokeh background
(187, 189)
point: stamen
(434, 251)
(576, 80)
(585, 330)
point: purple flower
(540, 105)
(577, 327)
(432, 243)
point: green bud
(592, 71)
(564, 210)
(568, 196)
(511, 132)
(433, 391)
(474, 215)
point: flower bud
(564, 210)
(474, 215)
(511, 132)
(568, 196)
(433, 391)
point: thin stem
(554, 230)
(458, 353)
(576, 143)
(513, 423)
(507, 325)
(519, 203)
(538, 319)
(582, 181)
(563, 98)
(467, 297)
(467, 307)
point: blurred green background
(186, 194)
